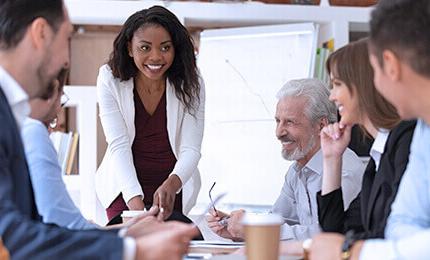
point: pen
(224, 221)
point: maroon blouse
(152, 154)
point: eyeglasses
(64, 99)
(210, 197)
(197, 221)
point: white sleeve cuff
(131, 192)
(376, 249)
(286, 232)
(129, 252)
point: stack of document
(214, 246)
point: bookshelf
(81, 186)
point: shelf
(212, 15)
(335, 21)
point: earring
(53, 123)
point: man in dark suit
(34, 47)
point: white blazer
(117, 173)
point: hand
(171, 243)
(164, 196)
(143, 224)
(4, 253)
(234, 226)
(291, 248)
(136, 203)
(212, 220)
(334, 140)
(151, 212)
(326, 246)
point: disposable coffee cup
(129, 214)
(262, 235)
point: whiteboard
(243, 68)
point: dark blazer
(367, 215)
(20, 225)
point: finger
(337, 131)
(162, 197)
(331, 131)
(169, 205)
(335, 134)
(215, 225)
(160, 216)
(191, 232)
(237, 213)
(328, 132)
(212, 212)
(214, 219)
(210, 218)
(218, 228)
(156, 200)
(153, 211)
(325, 132)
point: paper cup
(129, 214)
(262, 235)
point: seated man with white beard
(303, 109)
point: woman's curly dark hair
(182, 74)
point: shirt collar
(15, 95)
(315, 164)
(30, 120)
(378, 146)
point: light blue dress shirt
(408, 228)
(52, 199)
(411, 209)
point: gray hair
(319, 106)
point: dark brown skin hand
(164, 196)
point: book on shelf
(321, 57)
(66, 146)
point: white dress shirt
(16, 96)
(378, 146)
(297, 202)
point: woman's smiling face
(152, 51)
(346, 102)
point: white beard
(298, 154)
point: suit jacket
(368, 213)
(22, 232)
(117, 173)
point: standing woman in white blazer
(151, 101)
